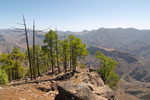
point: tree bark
(52, 59)
(34, 66)
(70, 57)
(57, 51)
(37, 60)
(27, 46)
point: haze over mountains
(131, 40)
(129, 44)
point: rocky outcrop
(71, 91)
(87, 86)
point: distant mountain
(10, 38)
(128, 46)
(134, 72)
(128, 65)
(131, 40)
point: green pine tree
(107, 70)
(49, 46)
(77, 50)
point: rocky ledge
(85, 86)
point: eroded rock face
(71, 91)
(92, 78)
(90, 87)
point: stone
(54, 86)
(91, 69)
(89, 86)
(92, 78)
(71, 91)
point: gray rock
(89, 87)
(71, 91)
(92, 78)
(91, 69)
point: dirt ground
(45, 90)
(32, 91)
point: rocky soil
(83, 85)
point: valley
(130, 47)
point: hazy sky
(76, 15)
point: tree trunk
(65, 63)
(52, 60)
(57, 52)
(12, 73)
(73, 64)
(51, 55)
(17, 74)
(70, 58)
(34, 66)
(27, 47)
(37, 60)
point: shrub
(3, 77)
(107, 70)
(83, 66)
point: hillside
(83, 85)
(134, 72)
(10, 38)
(127, 46)
(131, 40)
(121, 40)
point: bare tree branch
(20, 24)
(21, 35)
(22, 41)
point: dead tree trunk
(57, 52)
(37, 61)
(25, 29)
(34, 66)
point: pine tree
(77, 50)
(17, 56)
(107, 70)
(12, 64)
(44, 60)
(50, 41)
(3, 77)
(37, 58)
(57, 48)
(65, 53)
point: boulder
(91, 69)
(92, 78)
(71, 91)
(53, 86)
(87, 86)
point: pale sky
(76, 15)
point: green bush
(82, 66)
(107, 70)
(3, 77)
